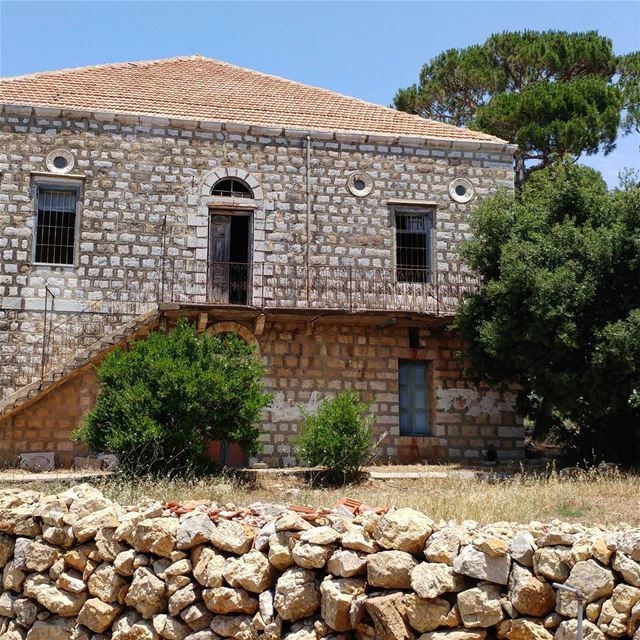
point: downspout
(308, 194)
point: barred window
(56, 225)
(413, 245)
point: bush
(338, 437)
(162, 399)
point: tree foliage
(552, 93)
(162, 399)
(338, 436)
(629, 82)
(559, 310)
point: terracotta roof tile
(200, 88)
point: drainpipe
(579, 596)
(308, 192)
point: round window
(59, 161)
(461, 190)
(360, 184)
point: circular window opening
(60, 162)
(461, 190)
(359, 185)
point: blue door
(414, 397)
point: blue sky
(364, 49)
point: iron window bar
(55, 225)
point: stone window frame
(57, 181)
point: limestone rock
(156, 535)
(629, 544)
(531, 596)
(130, 626)
(97, 615)
(228, 600)
(480, 606)
(310, 556)
(523, 629)
(6, 549)
(146, 593)
(568, 630)
(390, 569)
(443, 546)
(337, 594)
(522, 547)
(237, 627)
(182, 598)
(403, 530)
(551, 563)
(476, 564)
(53, 628)
(233, 537)
(251, 571)
(12, 577)
(279, 552)
(86, 527)
(296, 594)
(57, 601)
(388, 615)
(194, 530)
(455, 634)
(39, 556)
(170, 628)
(629, 569)
(356, 539)
(320, 535)
(291, 521)
(208, 566)
(105, 583)
(594, 580)
(427, 614)
(71, 581)
(432, 579)
(346, 564)
(197, 616)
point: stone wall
(136, 174)
(78, 566)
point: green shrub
(338, 437)
(162, 399)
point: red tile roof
(199, 88)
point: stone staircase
(83, 357)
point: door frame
(226, 210)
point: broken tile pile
(79, 566)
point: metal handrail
(348, 288)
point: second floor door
(229, 258)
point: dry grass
(593, 499)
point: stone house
(323, 229)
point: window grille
(231, 188)
(56, 225)
(413, 245)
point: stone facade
(144, 229)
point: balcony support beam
(258, 326)
(203, 320)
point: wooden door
(220, 243)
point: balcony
(297, 287)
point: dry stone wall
(77, 565)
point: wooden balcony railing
(287, 286)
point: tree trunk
(544, 421)
(520, 170)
